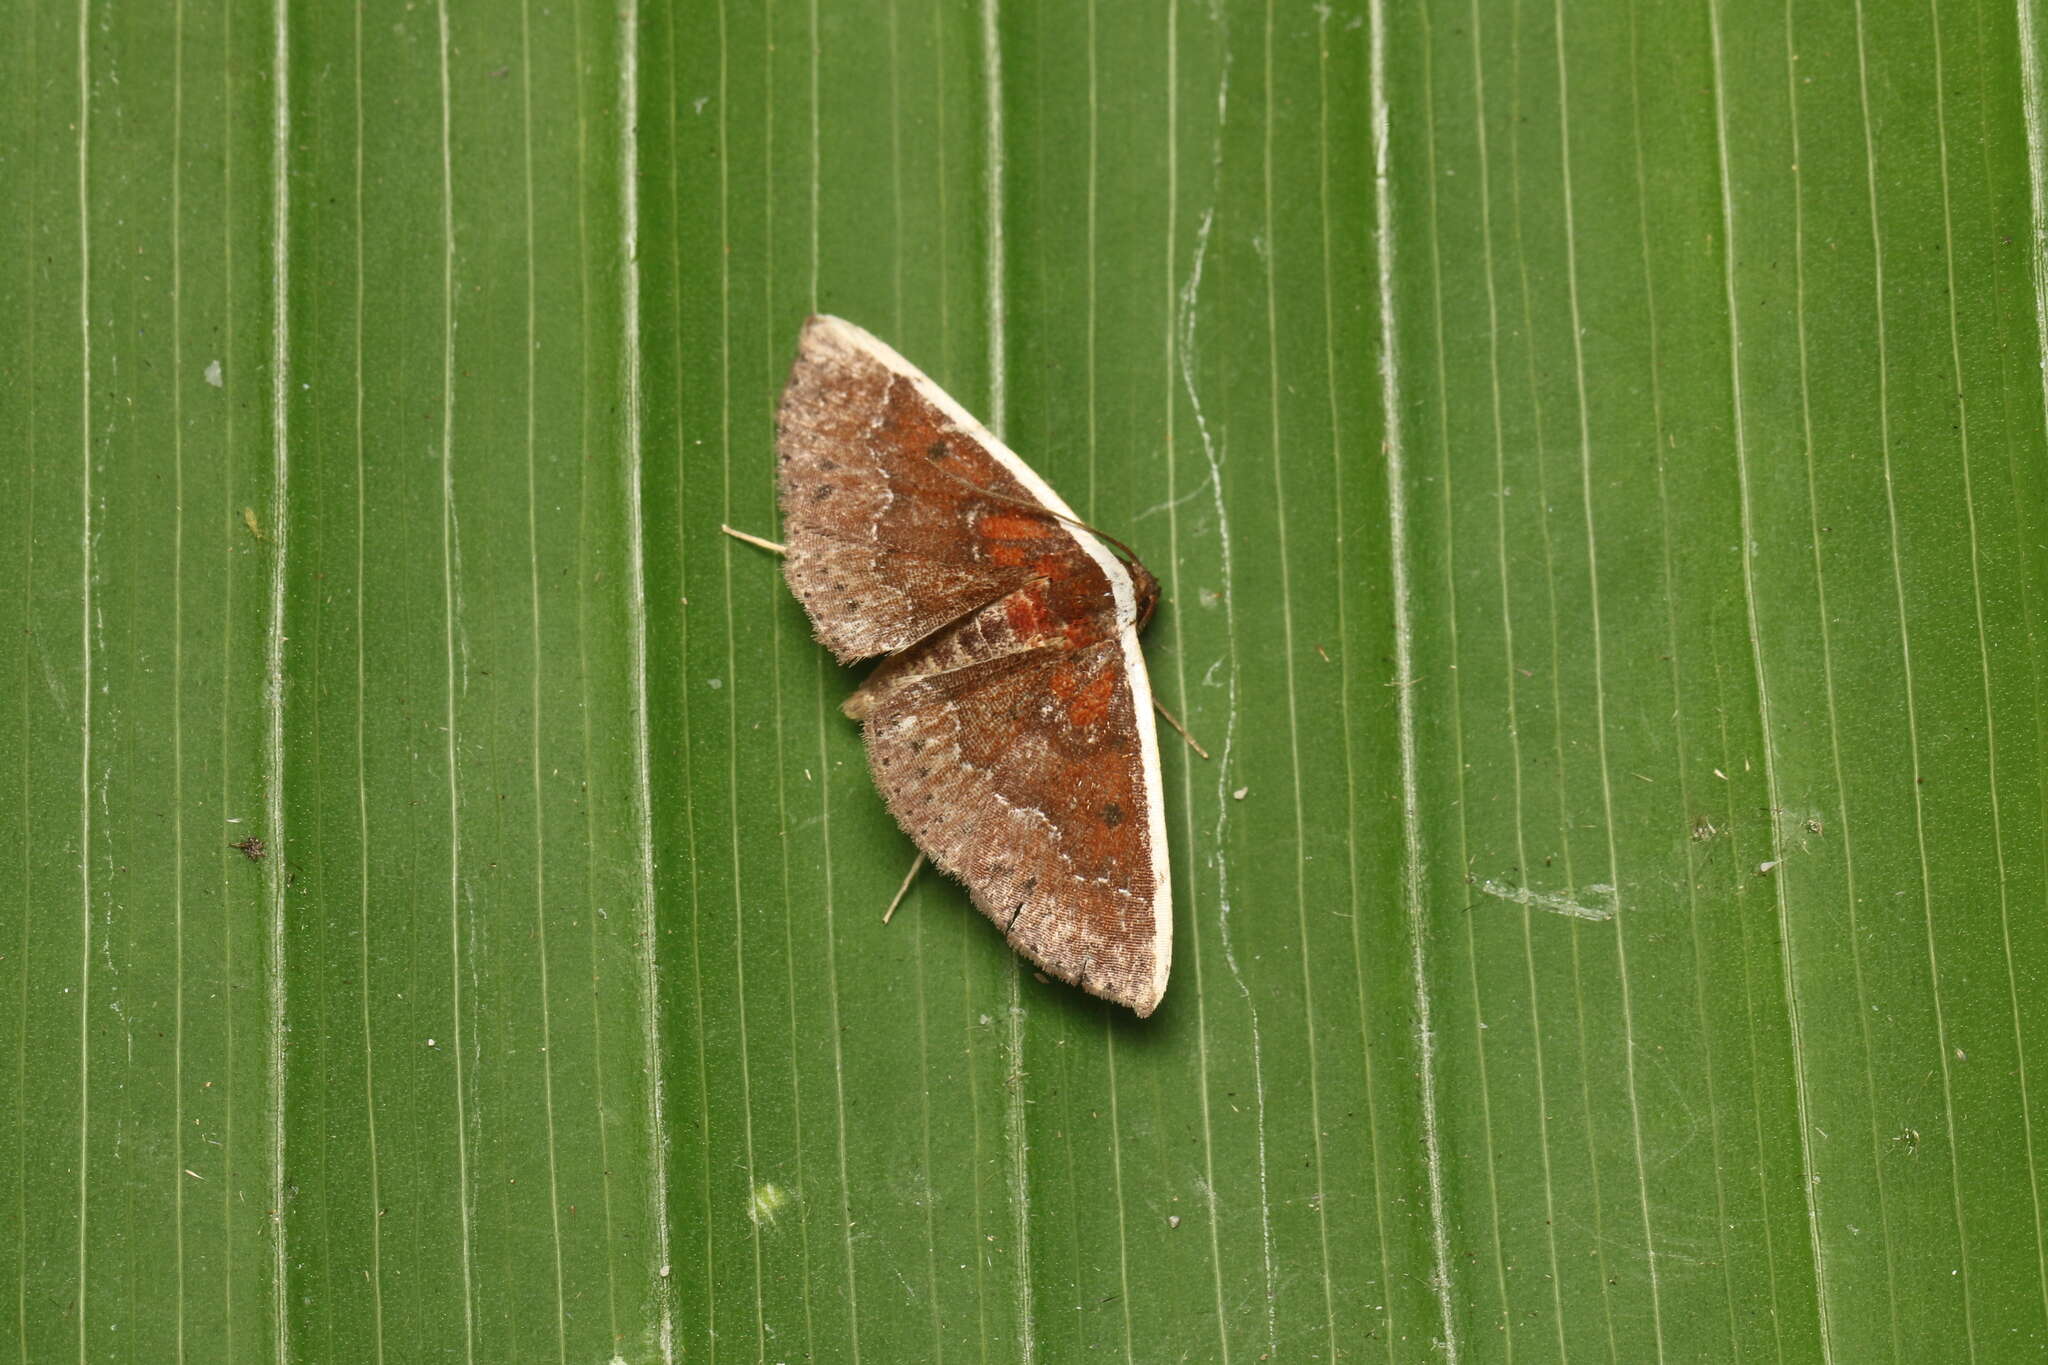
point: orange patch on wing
(1026, 614)
(1004, 526)
(1093, 702)
(1009, 556)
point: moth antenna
(1174, 721)
(904, 889)
(754, 540)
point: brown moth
(1010, 726)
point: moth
(1009, 723)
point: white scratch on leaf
(1404, 694)
(1189, 299)
(2034, 106)
(1557, 903)
(273, 656)
(652, 1049)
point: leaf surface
(1594, 460)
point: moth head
(1147, 589)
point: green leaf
(1595, 462)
